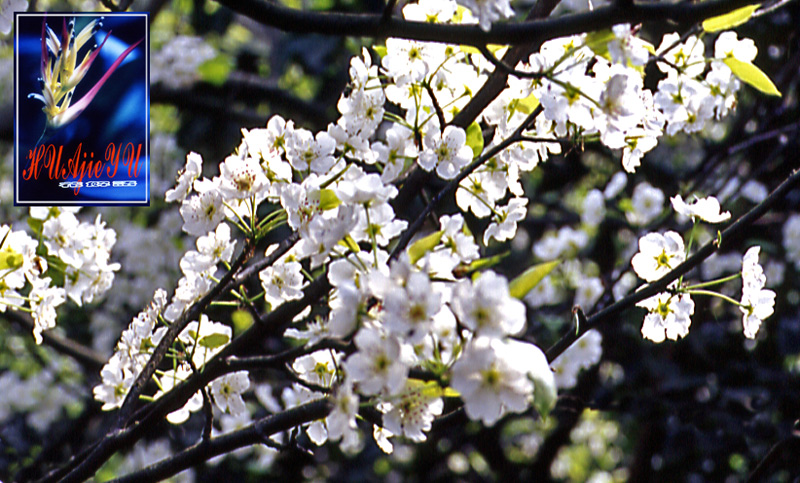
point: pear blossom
(707, 209)
(757, 303)
(626, 48)
(413, 411)
(319, 367)
(485, 306)
(227, 392)
(376, 366)
(584, 353)
(341, 422)
(171, 379)
(202, 212)
(186, 177)
(283, 281)
(686, 56)
(430, 11)
(116, 382)
(487, 11)
(455, 247)
(305, 151)
(490, 380)
(447, 152)
(410, 309)
(648, 202)
(728, 45)
(658, 254)
(756, 306)
(44, 298)
(242, 178)
(669, 316)
(504, 225)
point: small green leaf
(56, 268)
(480, 264)
(450, 392)
(493, 48)
(730, 19)
(242, 320)
(598, 42)
(350, 244)
(36, 226)
(9, 259)
(213, 341)
(423, 246)
(475, 139)
(216, 70)
(625, 205)
(752, 75)
(380, 50)
(545, 393)
(520, 286)
(528, 104)
(328, 199)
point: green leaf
(9, 259)
(528, 104)
(493, 48)
(216, 70)
(380, 50)
(36, 226)
(56, 268)
(423, 246)
(730, 19)
(752, 75)
(450, 392)
(545, 393)
(242, 320)
(625, 205)
(213, 341)
(480, 264)
(328, 199)
(598, 42)
(475, 139)
(350, 244)
(520, 286)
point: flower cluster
(414, 311)
(71, 259)
(669, 313)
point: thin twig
(91, 360)
(612, 311)
(451, 186)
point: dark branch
(91, 361)
(373, 25)
(612, 311)
(246, 436)
(451, 186)
(172, 333)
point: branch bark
(373, 25)
(695, 260)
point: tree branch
(451, 186)
(226, 443)
(91, 361)
(695, 260)
(173, 331)
(374, 25)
